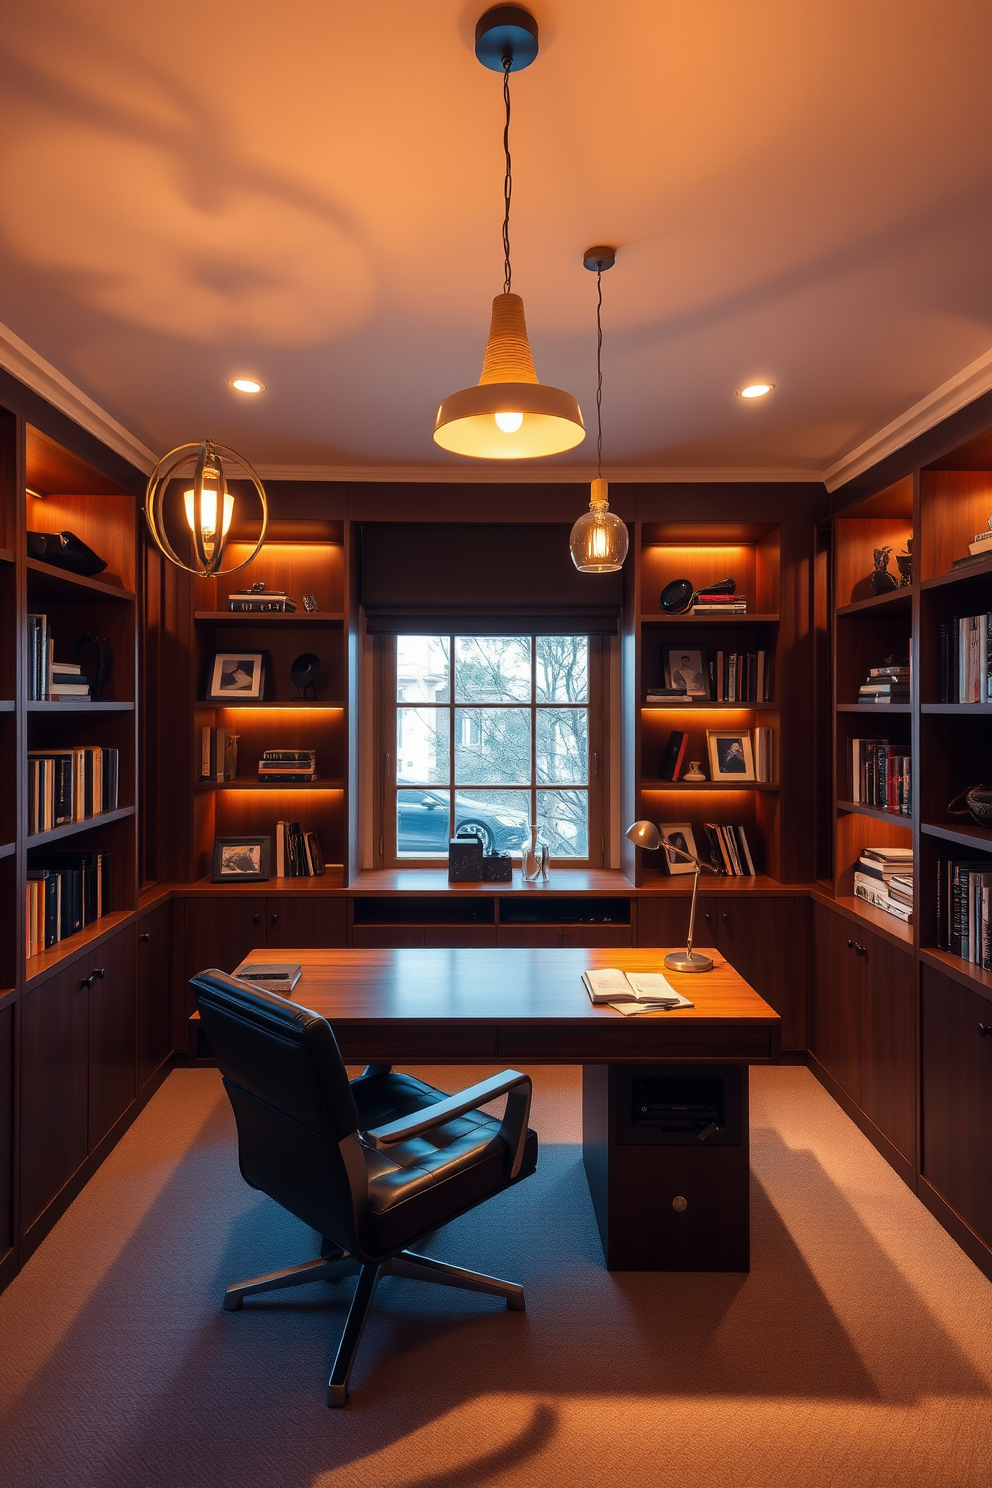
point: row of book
(964, 909)
(298, 853)
(886, 684)
(881, 775)
(48, 679)
(70, 785)
(65, 892)
(729, 851)
(883, 878)
(218, 754)
(741, 677)
(964, 659)
(288, 767)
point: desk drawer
(606, 1042)
(417, 1042)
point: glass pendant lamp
(598, 541)
(508, 415)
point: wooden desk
(516, 1006)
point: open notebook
(633, 991)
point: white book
(634, 991)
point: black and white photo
(687, 669)
(238, 676)
(731, 755)
(242, 859)
(678, 834)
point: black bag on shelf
(65, 550)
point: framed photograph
(680, 835)
(687, 669)
(241, 859)
(731, 756)
(236, 677)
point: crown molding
(523, 471)
(19, 359)
(958, 391)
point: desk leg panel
(634, 1178)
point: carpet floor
(858, 1351)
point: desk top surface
(504, 986)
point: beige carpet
(858, 1351)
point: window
(492, 733)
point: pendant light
(208, 506)
(509, 415)
(598, 542)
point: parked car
(422, 824)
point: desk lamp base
(688, 961)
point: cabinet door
(663, 921)
(305, 920)
(758, 938)
(112, 1032)
(154, 991)
(957, 1098)
(459, 937)
(53, 1087)
(528, 936)
(6, 1130)
(388, 937)
(597, 935)
(888, 1040)
(221, 932)
(836, 1011)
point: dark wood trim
(895, 1159)
(972, 1245)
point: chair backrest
(292, 1101)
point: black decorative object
(677, 596)
(97, 661)
(465, 859)
(310, 603)
(304, 675)
(977, 804)
(882, 581)
(497, 868)
(904, 563)
(65, 550)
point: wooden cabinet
(54, 1087)
(112, 1032)
(154, 991)
(305, 920)
(6, 1133)
(864, 1023)
(221, 931)
(957, 1098)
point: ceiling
(310, 192)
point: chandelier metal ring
(203, 455)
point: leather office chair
(373, 1164)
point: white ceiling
(310, 192)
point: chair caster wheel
(233, 1304)
(337, 1396)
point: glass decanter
(535, 856)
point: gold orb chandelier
(208, 506)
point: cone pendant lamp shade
(509, 415)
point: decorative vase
(535, 856)
(694, 771)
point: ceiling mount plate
(598, 260)
(506, 31)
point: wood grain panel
(112, 1034)
(320, 922)
(6, 1130)
(836, 1015)
(155, 983)
(957, 1099)
(53, 1089)
(888, 1040)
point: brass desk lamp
(645, 834)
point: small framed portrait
(731, 756)
(236, 677)
(686, 668)
(241, 859)
(679, 834)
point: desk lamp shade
(645, 834)
(509, 415)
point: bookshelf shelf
(889, 925)
(7, 849)
(965, 972)
(690, 619)
(960, 576)
(897, 601)
(6, 556)
(878, 709)
(7, 705)
(77, 705)
(73, 829)
(296, 618)
(46, 582)
(705, 707)
(64, 950)
(255, 785)
(286, 707)
(858, 809)
(960, 833)
(957, 710)
(707, 785)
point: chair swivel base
(407, 1264)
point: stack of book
(298, 853)
(881, 775)
(719, 604)
(288, 767)
(764, 754)
(964, 909)
(884, 879)
(659, 696)
(964, 659)
(980, 547)
(728, 850)
(48, 679)
(885, 684)
(69, 785)
(65, 892)
(218, 754)
(741, 677)
(267, 602)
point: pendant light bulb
(508, 422)
(599, 541)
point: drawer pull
(257, 919)
(144, 936)
(726, 919)
(984, 1029)
(96, 975)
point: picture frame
(242, 859)
(236, 677)
(731, 755)
(681, 834)
(687, 668)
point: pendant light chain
(507, 176)
(599, 373)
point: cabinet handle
(257, 919)
(984, 1029)
(860, 950)
(850, 945)
(726, 919)
(96, 975)
(706, 918)
(145, 936)
(275, 919)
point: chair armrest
(513, 1129)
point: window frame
(387, 706)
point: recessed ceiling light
(247, 385)
(755, 390)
